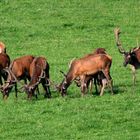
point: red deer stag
(98, 78)
(18, 70)
(2, 48)
(132, 57)
(86, 66)
(39, 73)
(4, 63)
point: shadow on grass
(117, 89)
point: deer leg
(37, 89)
(46, 88)
(103, 87)
(35, 94)
(29, 96)
(25, 81)
(99, 83)
(1, 80)
(16, 90)
(5, 97)
(134, 75)
(88, 85)
(109, 80)
(1, 77)
(95, 83)
(91, 86)
(4, 75)
(83, 85)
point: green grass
(60, 31)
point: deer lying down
(39, 73)
(87, 66)
(18, 70)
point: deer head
(62, 87)
(129, 57)
(6, 88)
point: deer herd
(92, 68)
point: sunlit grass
(61, 31)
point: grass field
(62, 30)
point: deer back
(21, 65)
(92, 64)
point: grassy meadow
(61, 30)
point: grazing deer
(18, 70)
(132, 57)
(86, 66)
(39, 73)
(98, 78)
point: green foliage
(60, 31)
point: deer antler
(63, 73)
(15, 78)
(118, 43)
(134, 49)
(11, 74)
(42, 75)
(71, 62)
